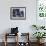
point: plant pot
(40, 41)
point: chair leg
(5, 43)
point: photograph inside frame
(18, 13)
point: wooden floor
(13, 44)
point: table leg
(5, 40)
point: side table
(8, 34)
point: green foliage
(35, 27)
(40, 27)
(39, 35)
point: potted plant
(39, 35)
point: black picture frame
(18, 13)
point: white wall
(24, 25)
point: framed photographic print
(41, 12)
(18, 13)
(41, 8)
